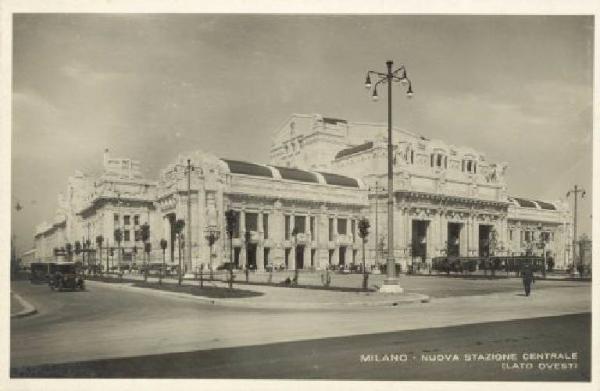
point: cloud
(81, 72)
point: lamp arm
(400, 68)
(377, 73)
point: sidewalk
(277, 297)
(19, 307)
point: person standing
(527, 275)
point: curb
(407, 299)
(28, 309)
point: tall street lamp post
(391, 283)
(576, 191)
(187, 170)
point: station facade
(301, 210)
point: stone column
(432, 238)
(336, 250)
(276, 234)
(260, 247)
(322, 238)
(307, 245)
(443, 231)
(398, 235)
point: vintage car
(66, 275)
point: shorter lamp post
(363, 233)
(179, 226)
(231, 220)
(163, 246)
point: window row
(530, 236)
(299, 225)
(126, 219)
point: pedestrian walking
(527, 275)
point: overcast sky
(518, 89)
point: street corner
(19, 307)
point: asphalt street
(431, 354)
(108, 323)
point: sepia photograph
(300, 197)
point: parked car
(66, 276)
(226, 266)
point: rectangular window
(136, 220)
(353, 229)
(126, 220)
(510, 234)
(138, 235)
(312, 226)
(287, 227)
(342, 226)
(266, 225)
(527, 236)
(330, 229)
(300, 224)
(432, 160)
(116, 218)
(251, 222)
(126, 237)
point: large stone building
(301, 209)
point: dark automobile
(65, 276)
(226, 266)
(40, 272)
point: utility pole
(575, 191)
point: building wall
(438, 188)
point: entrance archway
(453, 247)
(484, 240)
(251, 255)
(342, 251)
(300, 257)
(419, 239)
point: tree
(363, 233)
(231, 225)
(145, 235)
(118, 239)
(163, 246)
(179, 226)
(212, 235)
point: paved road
(353, 358)
(106, 322)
